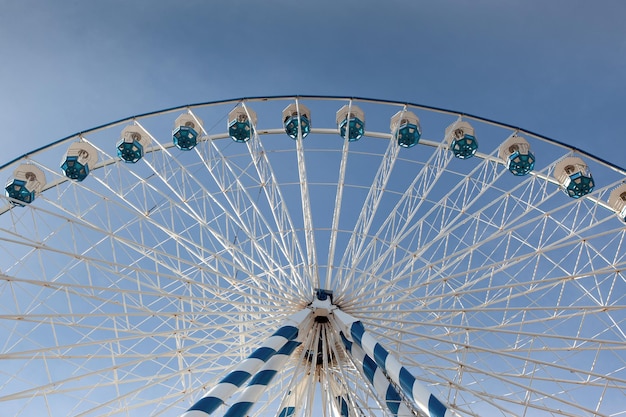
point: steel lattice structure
(298, 255)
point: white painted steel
(135, 291)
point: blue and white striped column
(383, 387)
(294, 399)
(259, 382)
(342, 405)
(401, 376)
(340, 393)
(236, 378)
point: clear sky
(557, 67)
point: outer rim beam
(338, 98)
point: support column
(383, 387)
(250, 366)
(260, 381)
(401, 376)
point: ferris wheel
(284, 256)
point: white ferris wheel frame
(293, 247)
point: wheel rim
(137, 289)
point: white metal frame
(136, 290)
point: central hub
(319, 349)
(322, 305)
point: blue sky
(557, 68)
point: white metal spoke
(499, 230)
(279, 210)
(337, 212)
(402, 215)
(225, 242)
(369, 208)
(311, 252)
